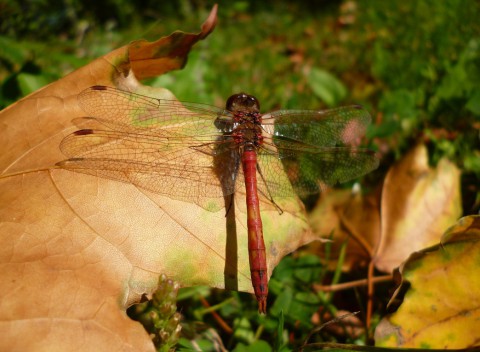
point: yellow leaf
(440, 305)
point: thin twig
(223, 324)
(352, 284)
(334, 320)
(370, 290)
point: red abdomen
(256, 244)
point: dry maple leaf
(77, 250)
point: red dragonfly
(196, 152)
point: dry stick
(352, 284)
(370, 251)
(217, 317)
(370, 288)
(332, 321)
(369, 281)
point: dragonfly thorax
(248, 134)
(247, 131)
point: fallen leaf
(346, 216)
(441, 294)
(77, 250)
(416, 204)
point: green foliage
(159, 315)
(326, 86)
(257, 346)
(292, 303)
(289, 284)
(426, 56)
(279, 343)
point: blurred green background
(415, 65)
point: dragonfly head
(242, 102)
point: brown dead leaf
(416, 205)
(77, 250)
(347, 216)
(150, 60)
(61, 282)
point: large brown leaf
(78, 249)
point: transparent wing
(306, 170)
(121, 110)
(187, 151)
(181, 168)
(324, 128)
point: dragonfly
(196, 152)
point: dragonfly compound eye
(242, 101)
